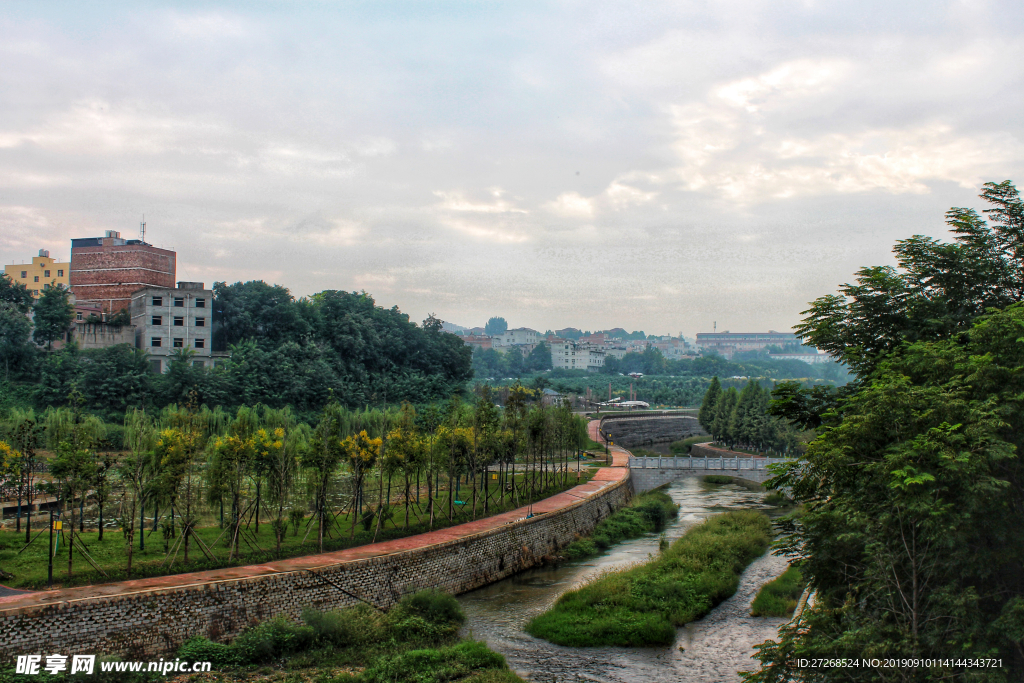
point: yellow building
(41, 274)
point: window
(155, 341)
(200, 303)
(200, 322)
(179, 321)
(158, 320)
(179, 301)
(46, 287)
(200, 343)
(154, 365)
(36, 279)
(36, 292)
(158, 301)
(179, 343)
(24, 274)
(60, 273)
(198, 363)
(78, 316)
(46, 273)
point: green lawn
(29, 566)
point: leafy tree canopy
(52, 315)
(15, 294)
(496, 325)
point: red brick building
(105, 271)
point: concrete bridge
(643, 429)
(650, 473)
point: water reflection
(713, 648)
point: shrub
(434, 666)
(435, 606)
(351, 627)
(200, 649)
(271, 640)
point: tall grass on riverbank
(417, 640)
(645, 513)
(779, 598)
(643, 606)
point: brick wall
(107, 276)
(156, 622)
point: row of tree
(742, 418)
(191, 466)
(490, 363)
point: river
(711, 650)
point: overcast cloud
(658, 166)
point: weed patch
(645, 513)
(779, 598)
(644, 605)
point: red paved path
(602, 478)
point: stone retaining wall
(643, 431)
(157, 621)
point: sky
(664, 166)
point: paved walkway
(604, 477)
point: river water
(711, 650)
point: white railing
(690, 463)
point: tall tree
(15, 331)
(52, 315)
(496, 325)
(15, 294)
(709, 405)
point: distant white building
(517, 337)
(572, 355)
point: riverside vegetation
(778, 598)
(644, 605)
(647, 512)
(416, 641)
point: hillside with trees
(283, 352)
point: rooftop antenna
(142, 229)
(716, 326)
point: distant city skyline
(657, 167)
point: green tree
(15, 331)
(709, 405)
(52, 315)
(721, 423)
(912, 533)
(495, 326)
(116, 379)
(15, 294)
(540, 358)
(938, 290)
(60, 374)
(136, 473)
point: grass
(683, 447)
(29, 568)
(643, 606)
(779, 598)
(416, 641)
(645, 513)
